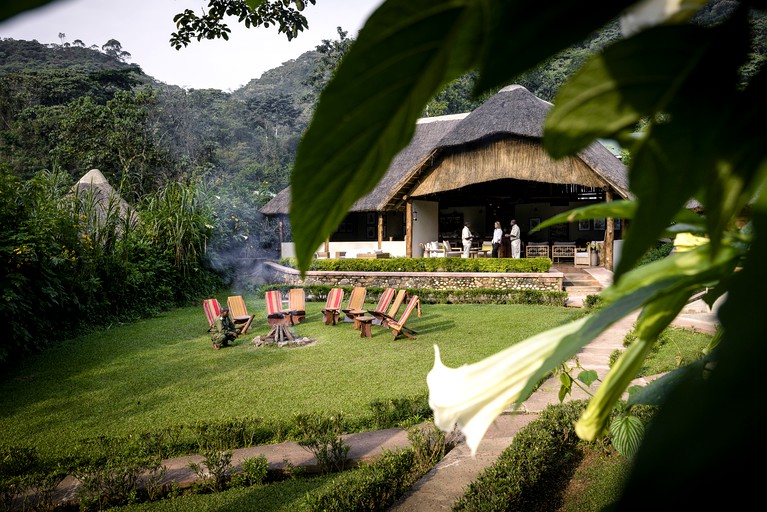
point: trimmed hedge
(373, 487)
(521, 477)
(319, 293)
(503, 265)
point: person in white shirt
(516, 243)
(466, 237)
(497, 237)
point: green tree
(286, 14)
(331, 52)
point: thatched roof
(498, 140)
(95, 188)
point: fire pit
(281, 336)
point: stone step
(582, 290)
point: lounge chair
(297, 305)
(239, 313)
(383, 302)
(583, 256)
(398, 327)
(382, 318)
(332, 309)
(356, 303)
(212, 309)
(274, 312)
(450, 252)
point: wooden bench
(537, 250)
(560, 251)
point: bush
(504, 265)
(428, 296)
(76, 260)
(541, 452)
(660, 251)
(373, 487)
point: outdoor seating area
(280, 318)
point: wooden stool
(365, 322)
(356, 313)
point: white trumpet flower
(472, 396)
(648, 13)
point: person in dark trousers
(497, 237)
(224, 330)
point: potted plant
(594, 253)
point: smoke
(241, 265)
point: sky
(143, 28)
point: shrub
(660, 251)
(373, 487)
(503, 265)
(520, 478)
(254, 471)
(428, 296)
(321, 435)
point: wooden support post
(609, 233)
(409, 229)
(380, 230)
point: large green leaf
(523, 33)
(709, 420)
(12, 8)
(631, 79)
(736, 179)
(692, 269)
(626, 433)
(405, 52)
(614, 209)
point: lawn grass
(679, 347)
(286, 496)
(162, 371)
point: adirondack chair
(356, 303)
(274, 313)
(212, 309)
(332, 309)
(239, 313)
(398, 327)
(297, 305)
(382, 318)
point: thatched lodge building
(484, 166)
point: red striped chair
(332, 310)
(274, 313)
(212, 309)
(382, 318)
(398, 327)
(383, 303)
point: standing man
(497, 237)
(223, 330)
(466, 239)
(516, 243)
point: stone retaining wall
(549, 281)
